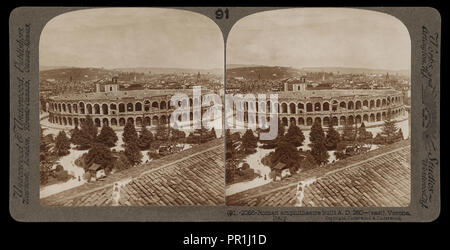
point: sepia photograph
(120, 118)
(339, 82)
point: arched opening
(372, 104)
(301, 107)
(309, 107)
(75, 108)
(105, 109)
(358, 119)
(163, 120)
(155, 120)
(309, 121)
(163, 105)
(97, 122)
(284, 108)
(350, 105)
(75, 122)
(97, 109)
(351, 120)
(147, 121)
(89, 108)
(365, 118)
(365, 104)
(318, 120)
(378, 117)
(301, 121)
(69, 109)
(284, 121)
(105, 122)
(326, 121)
(326, 106)
(64, 107)
(334, 105)
(292, 108)
(372, 118)
(130, 120)
(69, 120)
(378, 103)
(383, 115)
(138, 121)
(317, 106)
(129, 107)
(383, 103)
(335, 121)
(358, 105)
(113, 122)
(121, 107)
(122, 122)
(342, 120)
(138, 106)
(64, 121)
(155, 105)
(292, 121)
(343, 105)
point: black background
(164, 235)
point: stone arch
(113, 122)
(351, 120)
(334, 105)
(97, 109)
(343, 105)
(326, 106)
(309, 107)
(378, 117)
(326, 121)
(146, 105)
(69, 120)
(292, 108)
(366, 117)
(155, 104)
(59, 107)
(75, 108)
(139, 121)
(372, 104)
(342, 120)
(365, 104)
(383, 115)
(131, 120)
(130, 107)
(335, 121)
(138, 106)
(155, 120)
(122, 122)
(147, 121)
(350, 105)
(383, 102)
(309, 121)
(318, 120)
(121, 107)
(358, 119)
(301, 107)
(97, 122)
(284, 108)
(75, 122)
(301, 121)
(317, 106)
(69, 109)
(284, 121)
(89, 108)
(292, 121)
(105, 109)
(163, 120)
(358, 105)
(105, 122)
(372, 118)
(378, 103)
(163, 105)
(64, 120)
(64, 107)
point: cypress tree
(318, 148)
(129, 133)
(316, 134)
(249, 141)
(332, 138)
(107, 136)
(133, 153)
(285, 152)
(62, 144)
(295, 136)
(389, 129)
(100, 154)
(145, 138)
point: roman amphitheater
(109, 106)
(302, 107)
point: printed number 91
(220, 13)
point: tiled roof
(192, 177)
(383, 179)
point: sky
(132, 37)
(320, 37)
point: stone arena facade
(115, 109)
(339, 106)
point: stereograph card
(225, 114)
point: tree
(100, 154)
(316, 134)
(349, 133)
(75, 135)
(363, 134)
(280, 133)
(318, 148)
(133, 153)
(87, 135)
(162, 133)
(286, 152)
(249, 141)
(107, 136)
(129, 133)
(145, 138)
(389, 129)
(332, 138)
(295, 136)
(62, 144)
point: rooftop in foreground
(381, 178)
(192, 177)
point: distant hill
(169, 70)
(346, 70)
(263, 72)
(233, 66)
(77, 74)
